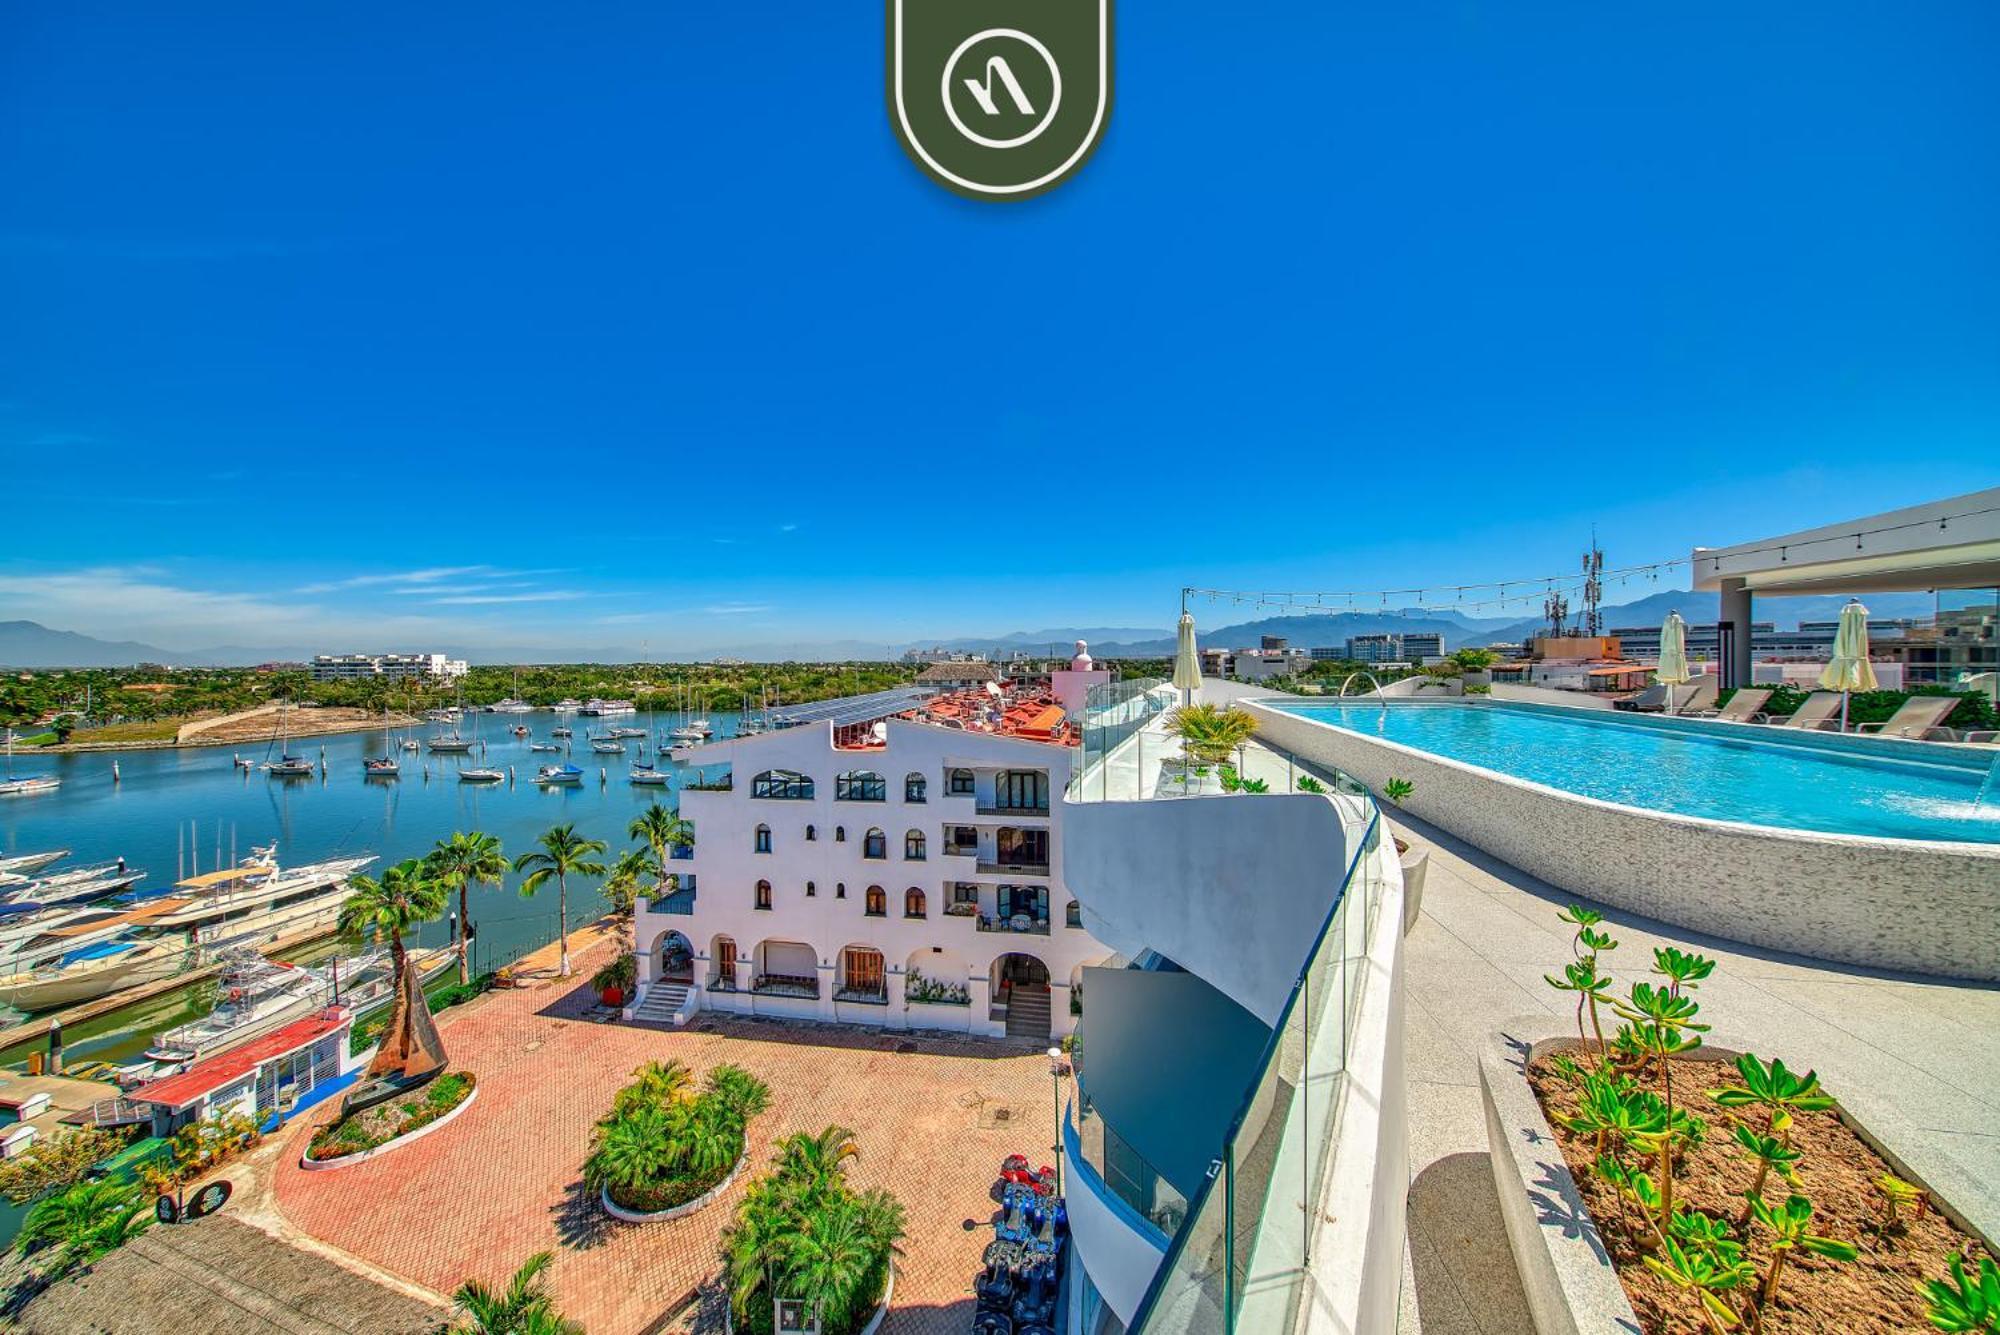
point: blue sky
(504, 324)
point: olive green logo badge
(999, 99)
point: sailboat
(451, 741)
(287, 765)
(38, 783)
(553, 774)
(383, 766)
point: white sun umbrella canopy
(1187, 660)
(1849, 671)
(1673, 667)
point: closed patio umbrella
(1187, 660)
(1673, 668)
(1849, 671)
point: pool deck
(1907, 1054)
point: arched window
(913, 846)
(811, 834)
(874, 844)
(763, 900)
(876, 903)
(861, 974)
(840, 834)
(860, 785)
(763, 840)
(811, 890)
(961, 782)
(913, 787)
(913, 903)
(782, 784)
(840, 889)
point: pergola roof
(1947, 544)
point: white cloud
(427, 576)
(474, 599)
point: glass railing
(1125, 1173)
(1114, 716)
(1241, 1261)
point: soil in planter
(1874, 1293)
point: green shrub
(1974, 711)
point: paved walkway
(502, 1180)
(1911, 1057)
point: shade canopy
(1673, 668)
(1187, 660)
(1849, 669)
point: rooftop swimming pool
(1721, 771)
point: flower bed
(672, 1200)
(666, 1149)
(392, 1122)
(1701, 1188)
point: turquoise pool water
(1721, 771)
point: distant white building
(393, 667)
(941, 655)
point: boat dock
(37, 1026)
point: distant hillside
(29, 644)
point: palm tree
(739, 1091)
(635, 1148)
(655, 1084)
(753, 1242)
(828, 1260)
(564, 853)
(457, 863)
(816, 1162)
(633, 867)
(1210, 734)
(663, 831)
(404, 896)
(524, 1307)
(84, 1222)
(707, 1137)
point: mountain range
(28, 644)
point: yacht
(383, 767)
(545, 747)
(567, 706)
(257, 995)
(16, 869)
(607, 746)
(647, 775)
(254, 897)
(596, 708)
(510, 706)
(480, 774)
(93, 971)
(562, 732)
(452, 742)
(77, 886)
(625, 732)
(290, 767)
(412, 744)
(551, 774)
(448, 714)
(40, 783)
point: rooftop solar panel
(853, 708)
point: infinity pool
(1722, 771)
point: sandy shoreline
(255, 730)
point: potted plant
(1415, 862)
(615, 980)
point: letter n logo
(999, 99)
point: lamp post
(1056, 1068)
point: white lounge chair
(1820, 713)
(1746, 706)
(1921, 719)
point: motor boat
(646, 774)
(606, 746)
(480, 775)
(17, 867)
(547, 748)
(552, 774)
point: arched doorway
(675, 959)
(1020, 982)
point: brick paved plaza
(502, 1180)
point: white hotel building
(891, 860)
(1234, 1154)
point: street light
(1057, 1066)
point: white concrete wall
(1886, 903)
(727, 868)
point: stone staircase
(662, 1004)
(1028, 1013)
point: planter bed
(873, 1325)
(680, 1209)
(1581, 1277)
(409, 1106)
